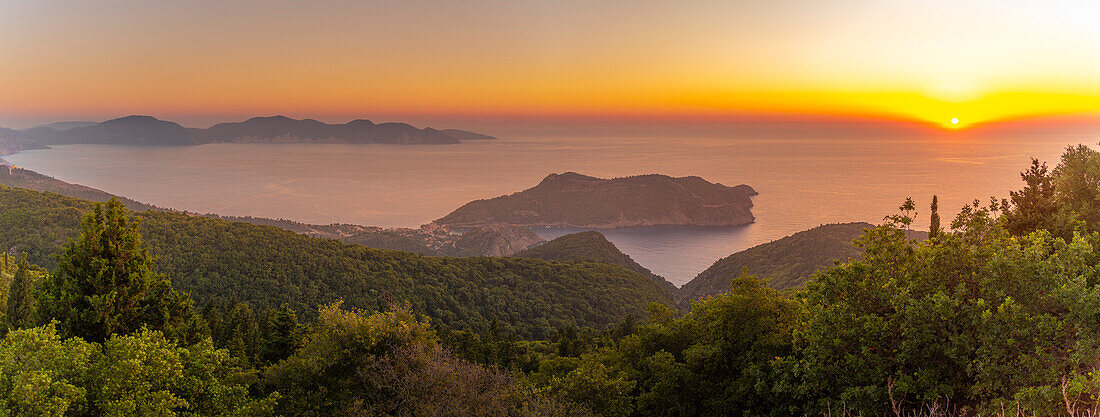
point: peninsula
(581, 201)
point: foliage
(213, 259)
(785, 263)
(934, 228)
(1061, 201)
(284, 335)
(105, 283)
(42, 375)
(21, 304)
(143, 374)
(590, 246)
(980, 319)
(390, 363)
(1000, 312)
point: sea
(803, 182)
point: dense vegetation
(23, 178)
(785, 263)
(998, 315)
(215, 259)
(590, 246)
(992, 317)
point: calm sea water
(802, 183)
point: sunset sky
(201, 62)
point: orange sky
(210, 61)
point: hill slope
(785, 263)
(23, 178)
(12, 141)
(576, 200)
(129, 130)
(266, 266)
(590, 246)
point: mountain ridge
(149, 130)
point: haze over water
(802, 182)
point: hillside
(785, 263)
(590, 246)
(495, 239)
(148, 130)
(12, 141)
(215, 259)
(581, 201)
(129, 130)
(23, 178)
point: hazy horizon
(425, 61)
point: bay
(803, 182)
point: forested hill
(267, 266)
(574, 200)
(23, 178)
(590, 246)
(785, 263)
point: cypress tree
(21, 305)
(934, 222)
(284, 335)
(105, 283)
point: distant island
(575, 200)
(148, 130)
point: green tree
(143, 374)
(934, 220)
(592, 385)
(234, 327)
(1061, 201)
(43, 375)
(1077, 185)
(21, 302)
(981, 319)
(1033, 207)
(718, 359)
(390, 364)
(105, 283)
(284, 335)
(146, 374)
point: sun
(953, 124)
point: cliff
(581, 201)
